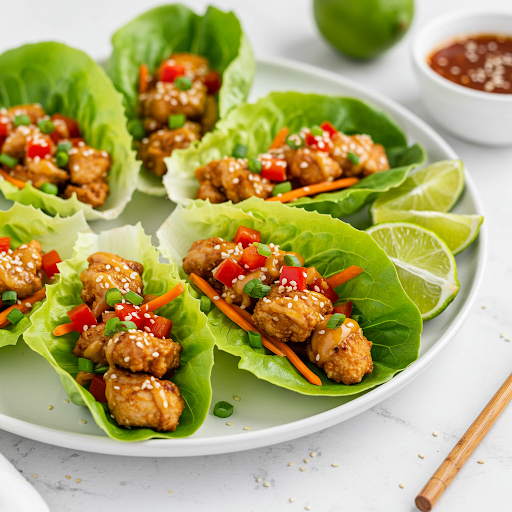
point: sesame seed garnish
(308, 507)
(266, 484)
(481, 461)
(421, 455)
(247, 428)
(229, 423)
(306, 460)
(259, 479)
(335, 465)
(484, 307)
(401, 485)
(291, 463)
(303, 469)
(169, 491)
(237, 398)
(66, 401)
(502, 335)
(50, 407)
(83, 422)
(435, 434)
(292, 500)
(78, 480)
(216, 297)
(313, 454)
(68, 477)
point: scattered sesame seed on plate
(421, 455)
(229, 423)
(237, 398)
(66, 401)
(401, 485)
(481, 461)
(50, 407)
(169, 491)
(291, 463)
(247, 428)
(34, 475)
(507, 339)
(306, 460)
(266, 484)
(83, 421)
(78, 480)
(292, 499)
(334, 464)
(68, 477)
(308, 507)
(502, 335)
(303, 469)
(435, 434)
(313, 454)
(484, 307)
(259, 479)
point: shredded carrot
(230, 312)
(40, 295)
(10, 179)
(312, 190)
(344, 276)
(60, 330)
(163, 299)
(143, 78)
(280, 138)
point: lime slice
(435, 187)
(458, 231)
(424, 264)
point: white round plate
(28, 385)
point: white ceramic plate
(28, 386)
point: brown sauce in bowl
(482, 62)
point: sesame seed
(216, 297)
(169, 491)
(306, 460)
(313, 454)
(247, 428)
(237, 398)
(229, 423)
(66, 401)
(68, 477)
(289, 305)
(78, 480)
(308, 507)
(321, 332)
(259, 479)
(292, 499)
(335, 465)
(83, 422)
(155, 354)
(34, 475)
(484, 307)
(317, 358)
(303, 469)
(401, 485)
(421, 455)
(291, 463)
(435, 434)
(266, 484)
(481, 461)
(50, 407)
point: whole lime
(363, 29)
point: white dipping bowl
(476, 116)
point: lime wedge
(458, 231)
(435, 187)
(424, 264)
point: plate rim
(189, 447)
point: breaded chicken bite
(310, 166)
(92, 344)
(87, 164)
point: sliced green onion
(295, 140)
(223, 409)
(100, 370)
(255, 339)
(136, 129)
(335, 321)
(49, 188)
(183, 83)
(126, 325)
(264, 250)
(291, 260)
(46, 126)
(256, 289)
(111, 326)
(9, 298)
(14, 316)
(134, 298)
(240, 151)
(62, 159)
(64, 147)
(282, 188)
(8, 160)
(316, 130)
(85, 365)
(113, 297)
(255, 165)
(176, 121)
(206, 304)
(23, 119)
(353, 157)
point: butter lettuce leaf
(189, 328)
(387, 316)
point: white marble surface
(376, 450)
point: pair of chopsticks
(447, 471)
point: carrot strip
(229, 311)
(280, 138)
(344, 276)
(312, 190)
(16, 182)
(60, 330)
(40, 295)
(143, 78)
(288, 352)
(163, 299)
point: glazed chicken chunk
(87, 164)
(141, 400)
(34, 111)
(310, 166)
(94, 193)
(92, 344)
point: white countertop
(376, 450)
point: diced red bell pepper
(82, 317)
(148, 320)
(74, 130)
(328, 127)
(162, 327)
(49, 262)
(251, 259)
(5, 129)
(129, 312)
(169, 72)
(320, 285)
(344, 309)
(40, 146)
(98, 388)
(228, 271)
(294, 276)
(212, 82)
(5, 243)
(274, 169)
(246, 236)
(318, 142)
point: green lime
(458, 231)
(363, 29)
(435, 187)
(424, 264)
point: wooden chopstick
(447, 471)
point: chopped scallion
(291, 260)
(49, 188)
(316, 130)
(176, 121)
(256, 289)
(64, 147)
(85, 365)
(353, 157)
(113, 297)
(136, 129)
(255, 165)
(62, 159)
(100, 370)
(295, 140)
(111, 326)
(223, 409)
(335, 321)
(21, 120)
(206, 304)
(134, 298)
(264, 250)
(255, 339)
(183, 83)
(46, 126)
(240, 151)
(9, 298)
(126, 325)
(8, 160)
(14, 316)
(282, 188)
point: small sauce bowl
(476, 116)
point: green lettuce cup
(387, 316)
(67, 81)
(255, 126)
(24, 224)
(157, 33)
(190, 329)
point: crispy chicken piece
(34, 111)
(140, 400)
(88, 165)
(92, 344)
(344, 353)
(207, 190)
(109, 271)
(94, 193)
(39, 171)
(20, 271)
(277, 318)
(310, 166)
(15, 144)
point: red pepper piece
(274, 169)
(40, 146)
(5, 129)
(328, 127)
(294, 276)
(49, 262)
(5, 243)
(82, 316)
(228, 271)
(129, 312)
(251, 259)
(98, 388)
(162, 327)
(344, 309)
(169, 72)
(246, 236)
(213, 82)
(76, 141)
(74, 130)
(320, 285)
(318, 142)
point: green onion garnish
(23, 119)
(256, 289)
(240, 151)
(206, 304)
(64, 147)
(62, 159)
(255, 165)
(353, 157)
(335, 321)
(291, 260)
(14, 316)
(111, 326)
(295, 140)
(134, 298)
(9, 298)
(316, 130)
(46, 126)
(113, 297)
(282, 188)
(176, 121)
(264, 250)
(136, 129)
(100, 370)
(223, 409)
(183, 83)
(255, 339)
(126, 325)
(49, 188)
(85, 365)
(8, 160)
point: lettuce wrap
(24, 224)
(67, 81)
(189, 328)
(387, 316)
(255, 126)
(157, 33)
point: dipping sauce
(482, 62)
